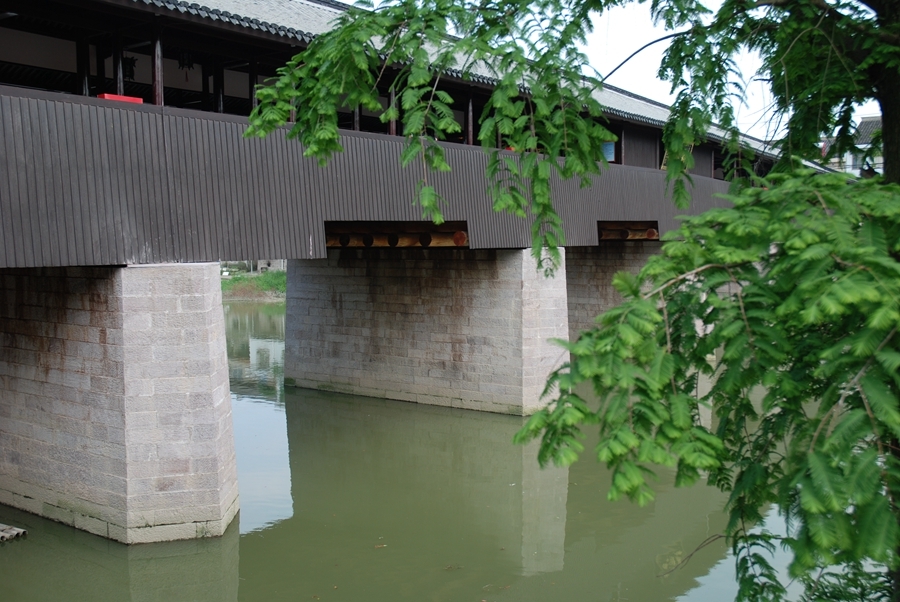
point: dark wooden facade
(85, 181)
(93, 182)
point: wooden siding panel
(176, 178)
(79, 140)
(272, 229)
(50, 168)
(25, 197)
(66, 195)
(90, 183)
(306, 209)
(110, 200)
(103, 213)
(136, 184)
(269, 176)
(128, 180)
(41, 200)
(213, 208)
(159, 174)
(13, 234)
(297, 216)
(642, 147)
(703, 161)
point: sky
(622, 30)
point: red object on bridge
(120, 98)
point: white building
(853, 162)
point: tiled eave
(220, 17)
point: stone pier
(589, 272)
(446, 327)
(115, 413)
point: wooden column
(392, 126)
(252, 78)
(156, 58)
(118, 69)
(356, 124)
(470, 123)
(83, 59)
(205, 73)
(101, 68)
(219, 88)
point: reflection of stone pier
(440, 486)
(61, 564)
(544, 495)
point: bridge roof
(304, 19)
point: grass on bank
(255, 286)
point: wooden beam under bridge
(397, 234)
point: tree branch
(884, 36)
(648, 44)
(684, 276)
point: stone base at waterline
(448, 327)
(115, 412)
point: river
(358, 499)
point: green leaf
(883, 401)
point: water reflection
(255, 343)
(57, 562)
(349, 498)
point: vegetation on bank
(260, 286)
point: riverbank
(262, 286)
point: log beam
(458, 239)
(629, 234)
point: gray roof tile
(304, 19)
(866, 129)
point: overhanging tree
(789, 301)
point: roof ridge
(329, 3)
(657, 103)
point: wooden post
(101, 68)
(118, 69)
(219, 88)
(157, 69)
(356, 124)
(205, 73)
(470, 126)
(392, 126)
(83, 58)
(253, 76)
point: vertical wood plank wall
(92, 182)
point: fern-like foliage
(790, 303)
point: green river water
(347, 498)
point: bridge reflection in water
(349, 498)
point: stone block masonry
(115, 412)
(447, 327)
(589, 273)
